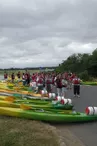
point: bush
(84, 76)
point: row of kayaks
(21, 104)
(12, 101)
(42, 110)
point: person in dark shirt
(19, 75)
(12, 77)
(5, 75)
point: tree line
(85, 65)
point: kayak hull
(47, 117)
(49, 106)
(21, 92)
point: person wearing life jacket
(64, 85)
(12, 77)
(28, 78)
(44, 84)
(33, 77)
(48, 83)
(59, 85)
(33, 80)
(76, 88)
(39, 82)
(70, 81)
(5, 76)
(19, 75)
(53, 84)
(23, 79)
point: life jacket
(28, 76)
(33, 78)
(48, 81)
(76, 81)
(40, 80)
(70, 78)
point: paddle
(10, 99)
(27, 107)
(30, 97)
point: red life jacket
(33, 78)
(70, 79)
(5, 76)
(40, 81)
(48, 81)
(76, 81)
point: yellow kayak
(9, 104)
(22, 92)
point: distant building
(48, 69)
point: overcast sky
(45, 32)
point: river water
(1, 77)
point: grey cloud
(39, 33)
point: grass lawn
(19, 132)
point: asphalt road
(86, 132)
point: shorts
(64, 89)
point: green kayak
(47, 116)
(49, 106)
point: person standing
(76, 86)
(64, 86)
(12, 77)
(5, 76)
(19, 75)
(59, 85)
(23, 79)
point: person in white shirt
(64, 86)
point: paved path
(86, 132)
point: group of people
(53, 82)
(56, 83)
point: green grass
(19, 132)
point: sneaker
(74, 95)
(78, 96)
